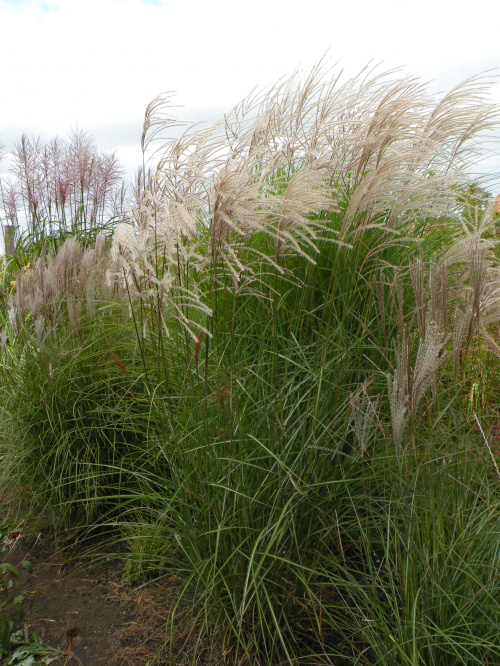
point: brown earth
(81, 599)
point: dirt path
(84, 599)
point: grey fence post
(9, 231)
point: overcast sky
(95, 64)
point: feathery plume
(363, 413)
(417, 272)
(398, 385)
(429, 359)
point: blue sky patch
(48, 7)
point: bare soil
(80, 603)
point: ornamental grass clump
(277, 354)
(74, 277)
(297, 264)
(62, 185)
(73, 395)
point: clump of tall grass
(60, 189)
(61, 185)
(296, 317)
(75, 421)
(311, 245)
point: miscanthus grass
(269, 381)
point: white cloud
(97, 63)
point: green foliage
(29, 650)
(429, 580)
(270, 389)
(77, 415)
(11, 601)
(277, 522)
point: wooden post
(9, 231)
